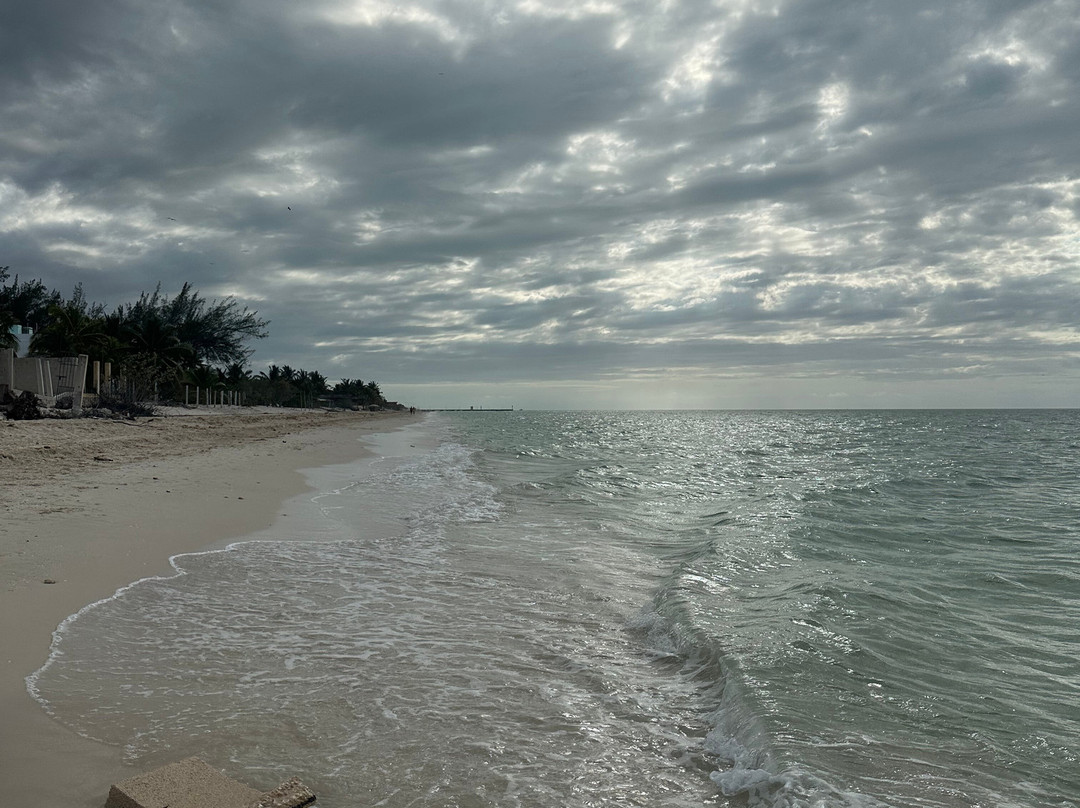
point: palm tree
(311, 385)
(359, 393)
(271, 374)
(74, 328)
(204, 377)
(275, 385)
(7, 335)
(236, 374)
(317, 383)
(160, 340)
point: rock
(290, 794)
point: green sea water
(654, 609)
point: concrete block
(189, 783)
(192, 783)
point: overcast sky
(573, 203)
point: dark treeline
(160, 344)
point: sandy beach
(88, 506)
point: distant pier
(468, 409)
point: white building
(23, 333)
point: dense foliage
(160, 345)
(22, 303)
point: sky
(566, 204)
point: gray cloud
(500, 193)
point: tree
(216, 330)
(359, 393)
(273, 386)
(158, 339)
(7, 319)
(74, 327)
(204, 377)
(8, 339)
(27, 301)
(317, 383)
(271, 374)
(236, 374)
(22, 303)
(311, 385)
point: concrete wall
(45, 377)
(31, 373)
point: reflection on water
(587, 609)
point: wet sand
(88, 506)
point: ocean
(775, 609)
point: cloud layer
(851, 202)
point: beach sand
(91, 505)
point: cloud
(503, 192)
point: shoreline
(173, 486)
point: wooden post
(7, 368)
(97, 376)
